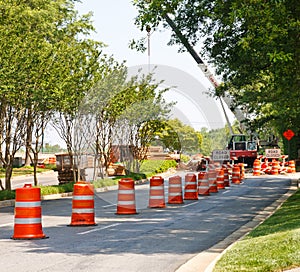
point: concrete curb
(206, 260)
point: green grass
(272, 246)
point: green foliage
(180, 137)
(151, 167)
(254, 45)
(56, 189)
(7, 194)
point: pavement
(206, 260)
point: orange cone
(28, 213)
(126, 197)
(83, 211)
(203, 184)
(191, 190)
(175, 190)
(236, 174)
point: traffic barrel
(157, 193)
(275, 168)
(190, 189)
(236, 174)
(175, 190)
(83, 207)
(126, 197)
(212, 179)
(28, 214)
(291, 167)
(256, 167)
(203, 184)
(220, 178)
(226, 175)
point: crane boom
(238, 113)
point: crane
(241, 149)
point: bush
(158, 166)
(5, 195)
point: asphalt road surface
(154, 240)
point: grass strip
(274, 245)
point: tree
(254, 45)
(46, 65)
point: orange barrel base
(203, 184)
(83, 211)
(126, 197)
(175, 190)
(212, 179)
(191, 190)
(157, 193)
(28, 214)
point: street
(152, 240)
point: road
(154, 240)
(44, 178)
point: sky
(114, 24)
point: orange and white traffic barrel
(203, 184)
(220, 178)
(126, 197)
(275, 167)
(83, 209)
(291, 167)
(256, 167)
(191, 187)
(212, 179)
(175, 190)
(157, 193)
(28, 214)
(236, 174)
(226, 175)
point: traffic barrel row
(28, 210)
(273, 167)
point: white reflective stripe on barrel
(190, 182)
(126, 202)
(175, 194)
(83, 210)
(28, 220)
(175, 185)
(20, 204)
(156, 197)
(83, 197)
(157, 187)
(125, 192)
(191, 191)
